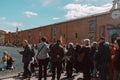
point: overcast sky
(26, 14)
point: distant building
(2, 37)
(105, 24)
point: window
(118, 26)
(40, 33)
(110, 26)
(54, 39)
(64, 35)
(76, 35)
(29, 34)
(92, 25)
(54, 31)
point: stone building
(2, 37)
(105, 24)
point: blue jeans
(4, 65)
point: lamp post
(40, 35)
(29, 37)
(16, 37)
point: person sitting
(10, 63)
(7, 61)
(4, 59)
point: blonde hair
(6, 56)
(5, 53)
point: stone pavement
(76, 76)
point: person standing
(57, 54)
(32, 62)
(70, 60)
(87, 60)
(78, 58)
(10, 62)
(43, 57)
(26, 53)
(111, 66)
(117, 61)
(103, 58)
(94, 51)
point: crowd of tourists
(97, 59)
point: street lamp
(40, 33)
(16, 37)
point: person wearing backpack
(43, 57)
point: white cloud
(47, 2)
(8, 30)
(14, 24)
(76, 0)
(4, 22)
(56, 18)
(2, 18)
(29, 13)
(84, 0)
(78, 10)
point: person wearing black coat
(103, 58)
(70, 60)
(78, 58)
(27, 57)
(87, 61)
(57, 54)
(117, 61)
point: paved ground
(76, 76)
(12, 74)
(17, 60)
